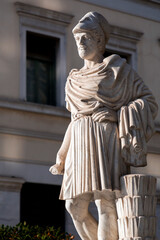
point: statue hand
(57, 169)
(103, 114)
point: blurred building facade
(37, 51)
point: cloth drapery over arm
(136, 124)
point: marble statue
(112, 118)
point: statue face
(87, 46)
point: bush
(23, 231)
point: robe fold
(112, 119)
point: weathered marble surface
(113, 115)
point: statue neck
(93, 63)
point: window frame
(60, 64)
(49, 23)
(124, 41)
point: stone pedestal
(136, 208)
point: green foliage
(23, 231)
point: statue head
(95, 27)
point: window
(41, 68)
(40, 205)
(124, 43)
(43, 54)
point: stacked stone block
(136, 208)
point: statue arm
(58, 168)
(62, 153)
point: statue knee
(70, 207)
(100, 205)
(77, 213)
(104, 206)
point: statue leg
(107, 228)
(84, 222)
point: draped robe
(112, 119)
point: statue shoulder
(114, 59)
(72, 71)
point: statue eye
(88, 37)
(87, 19)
